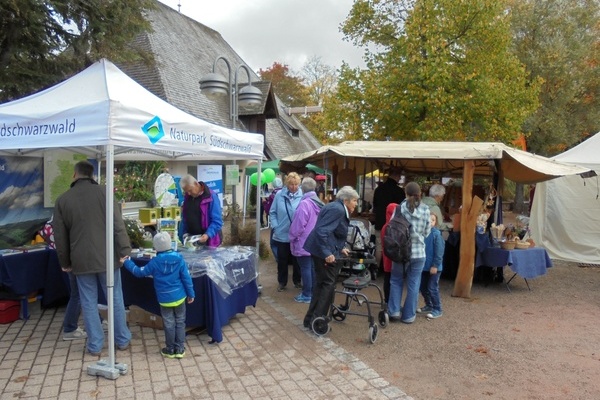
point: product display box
(167, 212)
(148, 215)
(9, 311)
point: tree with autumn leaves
(438, 70)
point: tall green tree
(43, 42)
(437, 70)
(559, 42)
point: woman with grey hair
(303, 223)
(326, 243)
(201, 212)
(436, 195)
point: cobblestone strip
(365, 378)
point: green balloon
(268, 175)
(254, 179)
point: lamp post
(215, 86)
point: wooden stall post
(470, 210)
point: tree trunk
(519, 204)
(471, 207)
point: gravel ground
(538, 344)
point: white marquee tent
(103, 113)
(565, 215)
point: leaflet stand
(169, 225)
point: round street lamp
(215, 86)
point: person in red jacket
(387, 262)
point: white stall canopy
(435, 159)
(102, 112)
(101, 106)
(565, 215)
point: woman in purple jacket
(304, 221)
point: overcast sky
(285, 31)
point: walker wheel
(373, 331)
(374, 274)
(338, 315)
(320, 326)
(384, 318)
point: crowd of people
(312, 235)
(305, 233)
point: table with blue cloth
(527, 263)
(23, 274)
(224, 281)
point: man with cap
(201, 212)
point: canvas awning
(435, 159)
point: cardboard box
(9, 311)
(144, 318)
(103, 310)
(148, 215)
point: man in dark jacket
(80, 235)
(201, 212)
(326, 243)
(386, 193)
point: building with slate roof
(184, 51)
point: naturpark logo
(154, 130)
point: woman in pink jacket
(303, 223)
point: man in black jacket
(386, 193)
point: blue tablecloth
(210, 309)
(527, 263)
(24, 273)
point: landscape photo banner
(21, 199)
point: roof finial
(179, 6)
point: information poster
(58, 173)
(232, 174)
(212, 176)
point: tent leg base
(101, 368)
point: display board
(212, 176)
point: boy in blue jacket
(432, 270)
(173, 283)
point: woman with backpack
(417, 215)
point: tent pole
(247, 182)
(109, 369)
(258, 186)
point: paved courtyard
(265, 354)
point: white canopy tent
(102, 112)
(436, 159)
(565, 215)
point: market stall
(441, 159)
(226, 278)
(103, 113)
